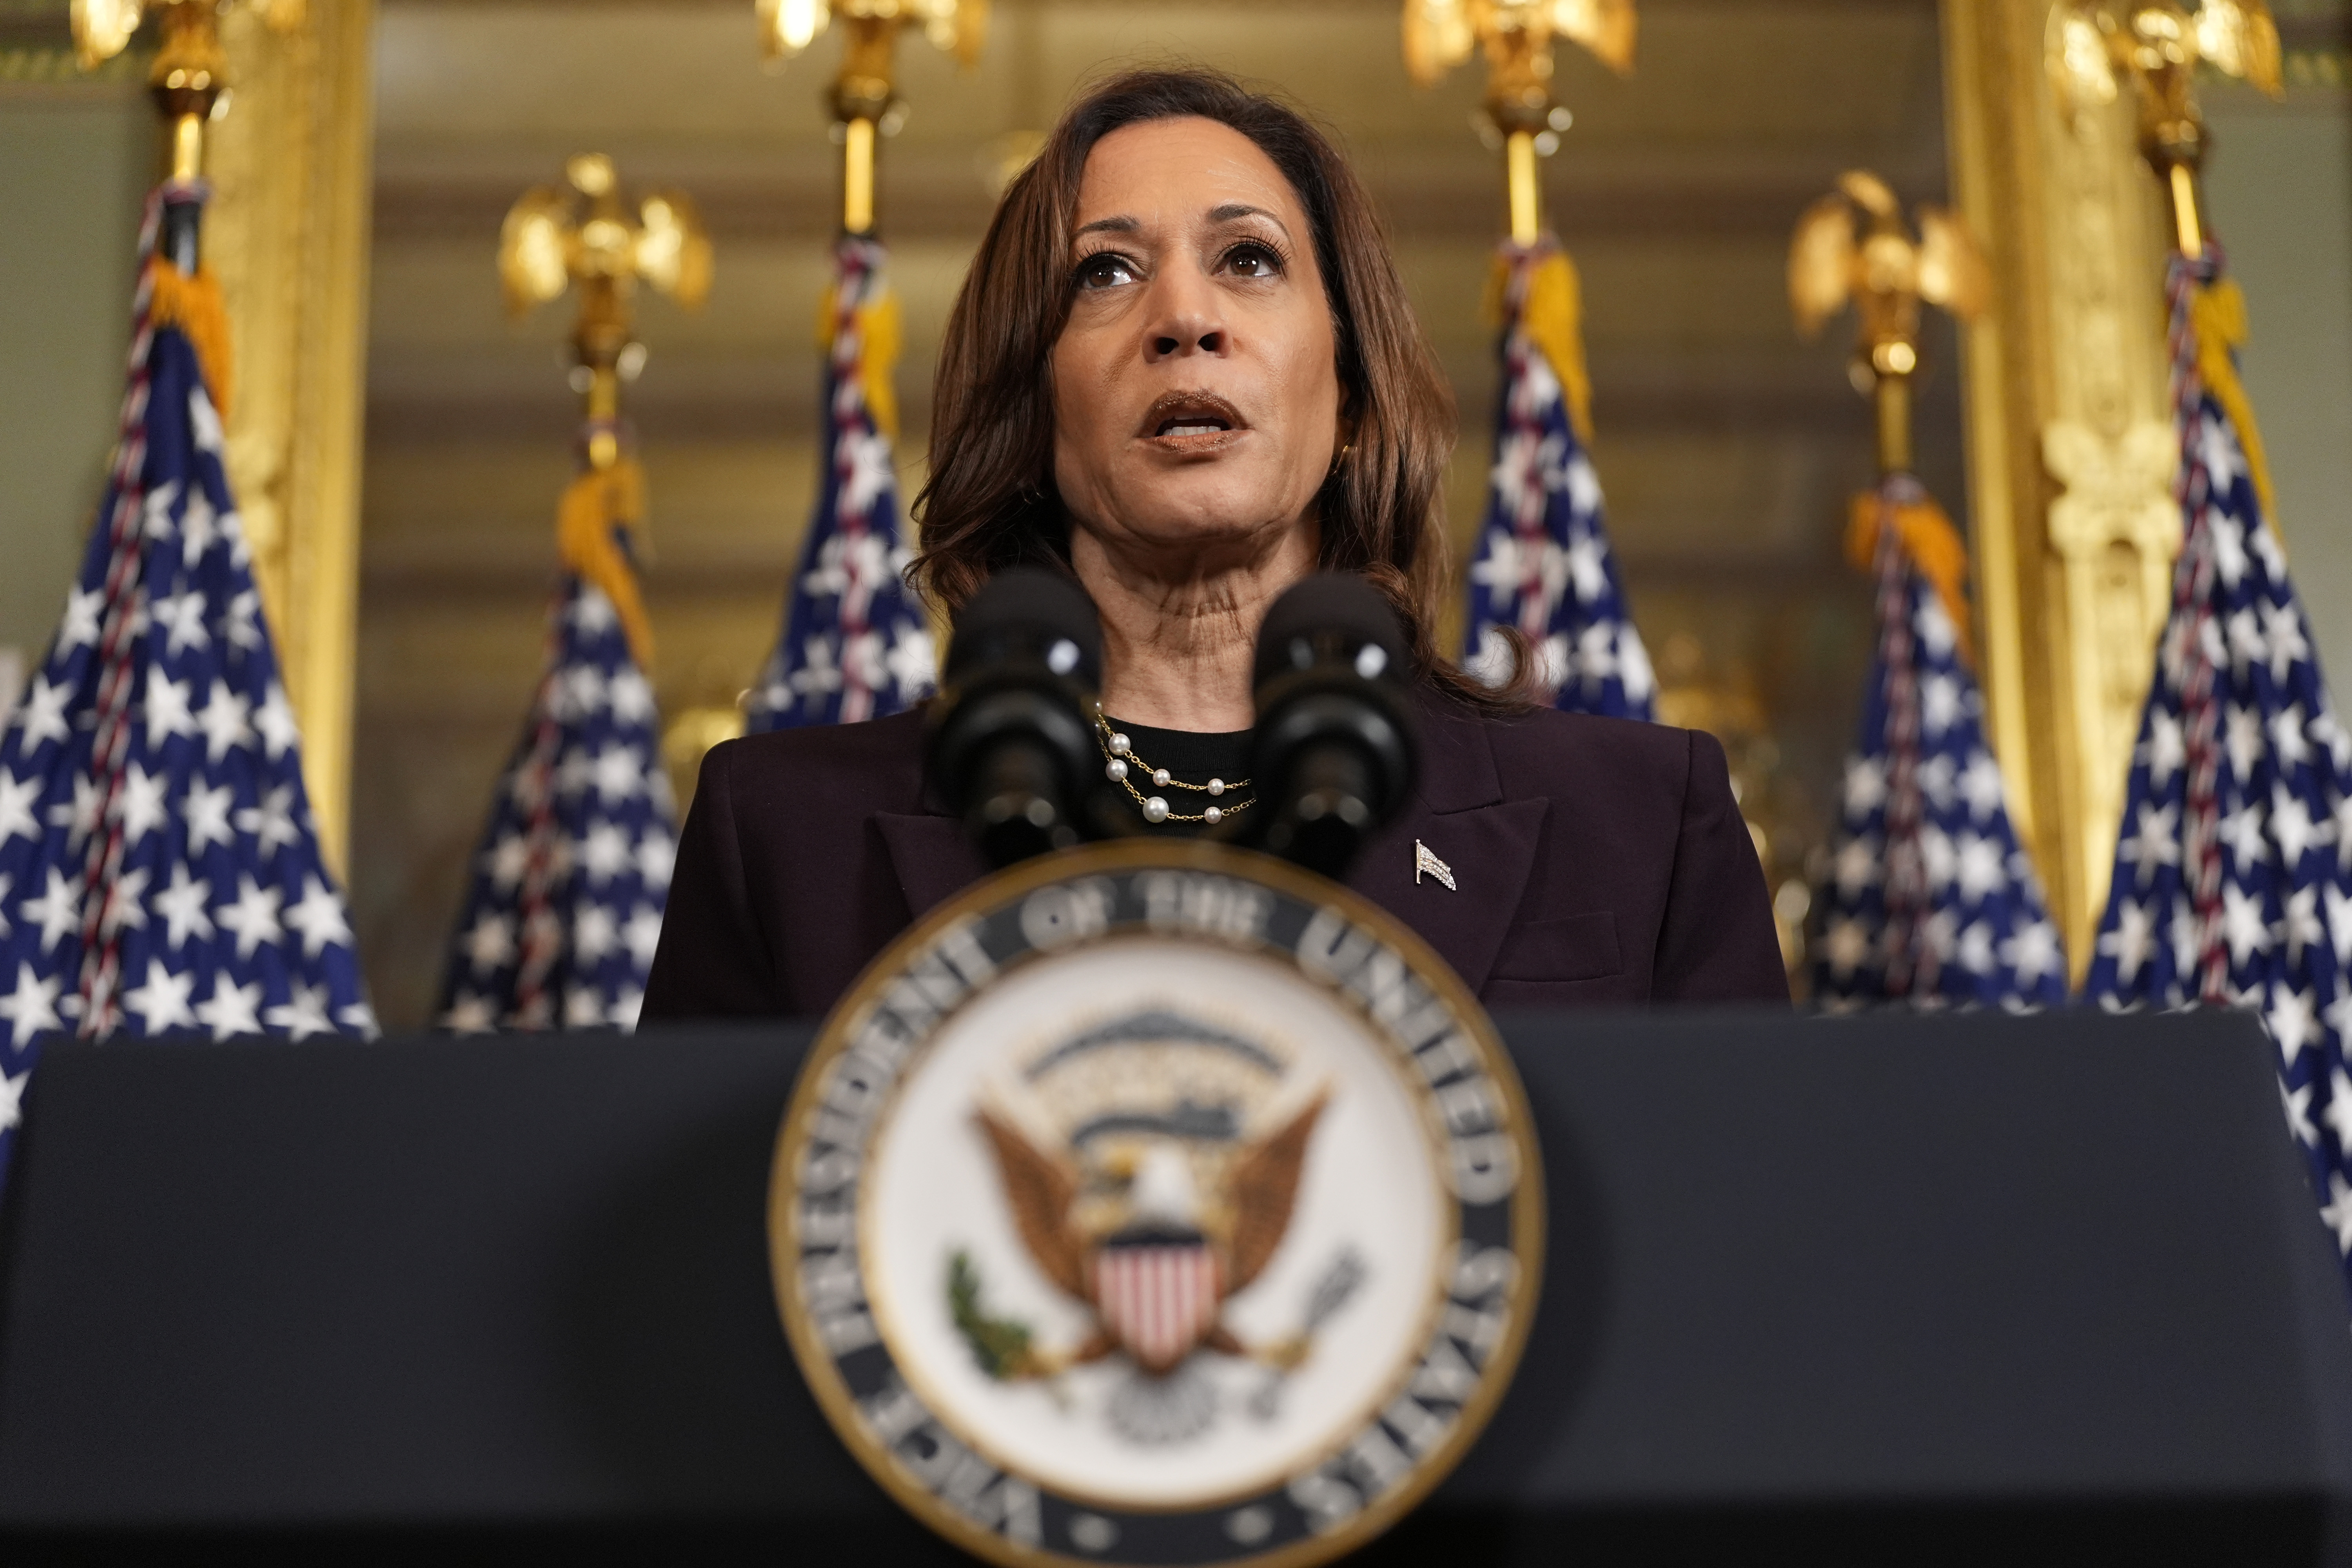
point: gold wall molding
(287, 231)
(2071, 450)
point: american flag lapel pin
(1423, 860)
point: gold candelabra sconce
(1519, 110)
(864, 97)
(1854, 246)
(2093, 47)
(583, 232)
(189, 77)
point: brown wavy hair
(991, 501)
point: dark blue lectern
(1892, 1290)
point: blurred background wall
(2281, 188)
(77, 154)
(1727, 446)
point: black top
(1191, 757)
(1895, 1290)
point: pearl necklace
(1119, 761)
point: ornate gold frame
(2071, 452)
(288, 232)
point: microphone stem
(1015, 797)
(1326, 809)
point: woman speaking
(1183, 368)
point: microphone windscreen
(1029, 610)
(1331, 607)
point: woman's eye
(1107, 270)
(1253, 261)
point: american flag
(564, 908)
(2233, 881)
(160, 873)
(1543, 563)
(856, 643)
(1928, 898)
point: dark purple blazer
(1596, 862)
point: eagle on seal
(1153, 1236)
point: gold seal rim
(994, 891)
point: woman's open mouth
(1191, 422)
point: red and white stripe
(1529, 497)
(858, 283)
(1158, 1300)
(2192, 636)
(540, 925)
(1912, 961)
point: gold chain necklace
(1120, 762)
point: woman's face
(1196, 393)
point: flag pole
(189, 82)
(584, 235)
(1519, 113)
(861, 99)
(1519, 104)
(1547, 610)
(856, 643)
(2155, 47)
(1526, 190)
(603, 332)
(1929, 902)
(547, 938)
(1853, 246)
(2171, 131)
(187, 79)
(864, 99)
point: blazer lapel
(1489, 849)
(1488, 843)
(934, 858)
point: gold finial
(588, 234)
(1853, 245)
(190, 76)
(1519, 109)
(865, 104)
(102, 30)
(2159, 44)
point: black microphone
(1012, 749)
(1332, 754)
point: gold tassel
(594, 505)
(193, 306)
(2218, 316)
(880, 330)
(1553, 317)
(1931, 541)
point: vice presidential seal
(1157, 1204)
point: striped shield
(1157, 1298)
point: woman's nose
(1186, 323)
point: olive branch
(999, 1345)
